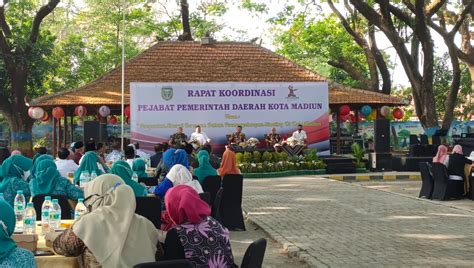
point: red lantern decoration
(397, 113)
(344, 110)
(352, 118)
(344, 118)
(127, 111)
(45, 117)
(127, 121)
(113, 120)
(58, 112)
(80, 111)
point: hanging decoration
(58, 112)
(80, 111)
(45, 117)
(104, 111)
(127, 120)
(127, 111)
(36, 113)
(344, 110)
(372, 115)
(80, 121)
(398, 113)
(113, 120)
(366, 110)
(384, 111)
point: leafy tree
(335, 46)
(415, 18)
(23, 48)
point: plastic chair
(215, 212)
(423, 139)
(414, 140)
(426, 180)
(166, 264)
(444, 188)
(212, 184)
(66, 209)
(206, 197)
(148, 181)
(436, 140)
(150, 208)
(254, 254)
(231, 204)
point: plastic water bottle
(47, 204)
(55, 215)
(84, 178)
(135, 177)
(80, 209)
(30, 219)
(19, 206)
(93, 176)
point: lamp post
(123, 72)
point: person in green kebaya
(123, 170)
(48, 181)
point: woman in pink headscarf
(456, 164)
(195, 235)
(442, 155)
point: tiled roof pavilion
(177, 61)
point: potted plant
(358, 154)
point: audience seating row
(437, 185)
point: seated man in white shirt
(199, 138)
(65, 163)
(300, 135)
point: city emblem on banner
(291, 93)
(167, 93)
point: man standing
(78, 151)
(300, 135)
(178, 139)
(238, 136)
(199, 138)
(273, 138)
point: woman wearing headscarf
(205, 169)
(228, 164)
(442, 155)
(178, 175)
(38, 160)
(123, 170)
(11, 256)
(195, 236)
(456, 164)
(89, 163)
(139, 167)
(170, 158)
(111, 234)
(13, 174)
(48, 181)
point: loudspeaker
(382, 136)
(95, 130)
(380, 161)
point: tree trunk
(21, 126)
(186, 36)
(20, 123)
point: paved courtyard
(338, 224)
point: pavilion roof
(178, 61)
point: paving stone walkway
(336, 224)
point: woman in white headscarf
(178, 175)
(111, 234)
